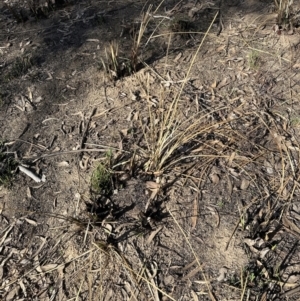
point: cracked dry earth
(221, 222)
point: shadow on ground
(72, 37)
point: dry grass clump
(116, 66)
(168, 136)
(284, 8)
(23, 10)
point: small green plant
(101, 182)
(254, 59)
(295, 121)
(221, 204)
(20, 67)
(251, 277)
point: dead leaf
(23, 288)
(48, 267)
(93, 40)
(221, 48)
(188, 266)
(168, 280)
(215, 178)
(195, 213)
(109, 295)
(44, 240)
(63, 164)
(38, 99)
(11, 295)
(49, 76)
(215, 212)
(192, 273)
(222, 83)
(152, 185)
(232, 156)
(108, 228)
(194, 295)
(296, 66)
(188, 58)
(28, 192)
(293, 278)
(152, 235)
(124, 132)
(31, 222)
(60, 271)
(230, 187)
(29, 94)
(130, 115)
(269, 167)
(234, 172)
(222, 276)
(264, 297)
(83, 163)
(263, 252)
(136, 116)
(179, 55)
(251, 243)
(245, 184)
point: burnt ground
(217, 220)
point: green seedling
(101, 180)
(254, 59)
(251, 277)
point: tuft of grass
(20, 67)
(7, 166)
(135, 51)
(254, 59)
(35, 8)
(101, 182)
(283, 8)
(295, 121)
(169, 137)
(117, 67)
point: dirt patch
(178, 181)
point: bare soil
(219, 225)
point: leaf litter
(245, 151)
